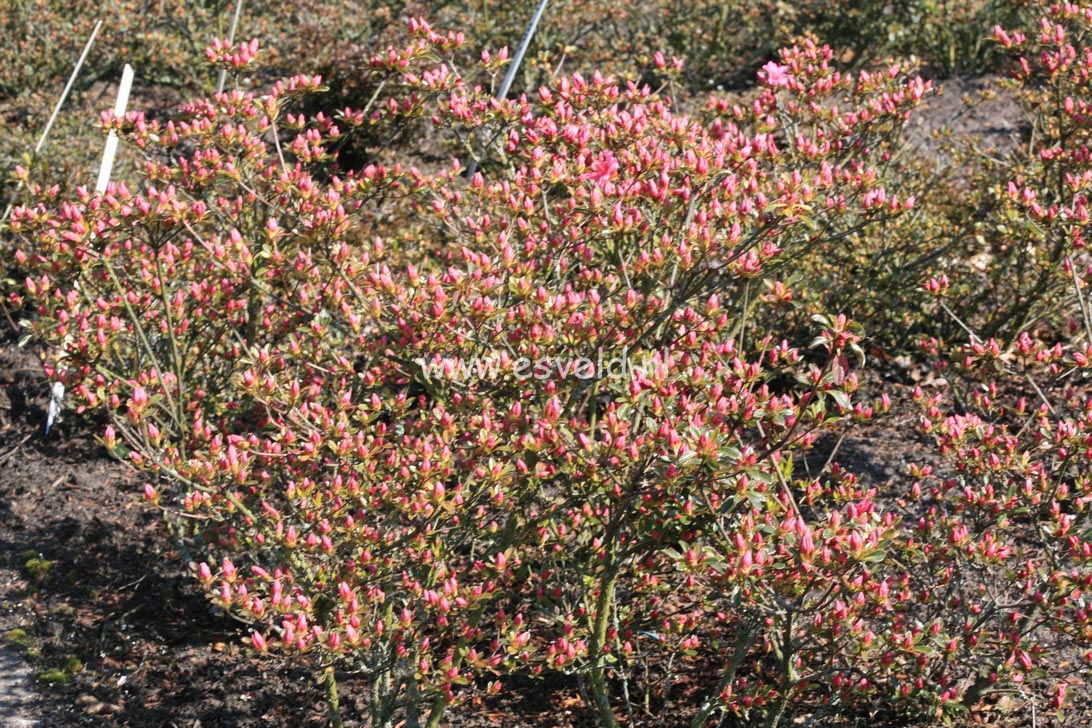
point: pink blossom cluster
(251, 319)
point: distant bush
(1023, 260)
(723, 43)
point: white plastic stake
(67, 88)
(231, 40)
(56, 399)
(514, 66)
(112, 139)
(57, 109)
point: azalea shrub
(724, 43)
(727, 41)
(1017, 259)
(995, 244)
(434, 389)
(1005, 556)
(301, 379)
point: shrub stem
(787, 674)
(332, 700)
(601, 622)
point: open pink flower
(776, 74)
(604, 168)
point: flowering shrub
(1004, 559)
(378, 406)
(726, 41)
(1021, 260)
(724, 44)
(864, 267)
(256, 327)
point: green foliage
(19, 637)
(1018, 261)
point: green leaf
(875, 557)
(841, 398)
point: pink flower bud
(139, 399)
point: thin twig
(834, 452)
(277, 144)
(1080, 300)
(975, 338)
(1042, 395)
(11, 453)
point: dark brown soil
(966, 111)
(88, 574)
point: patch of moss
(37, 567)
(54, 676)
(61, 675)
(18, 637)
(64, 608)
